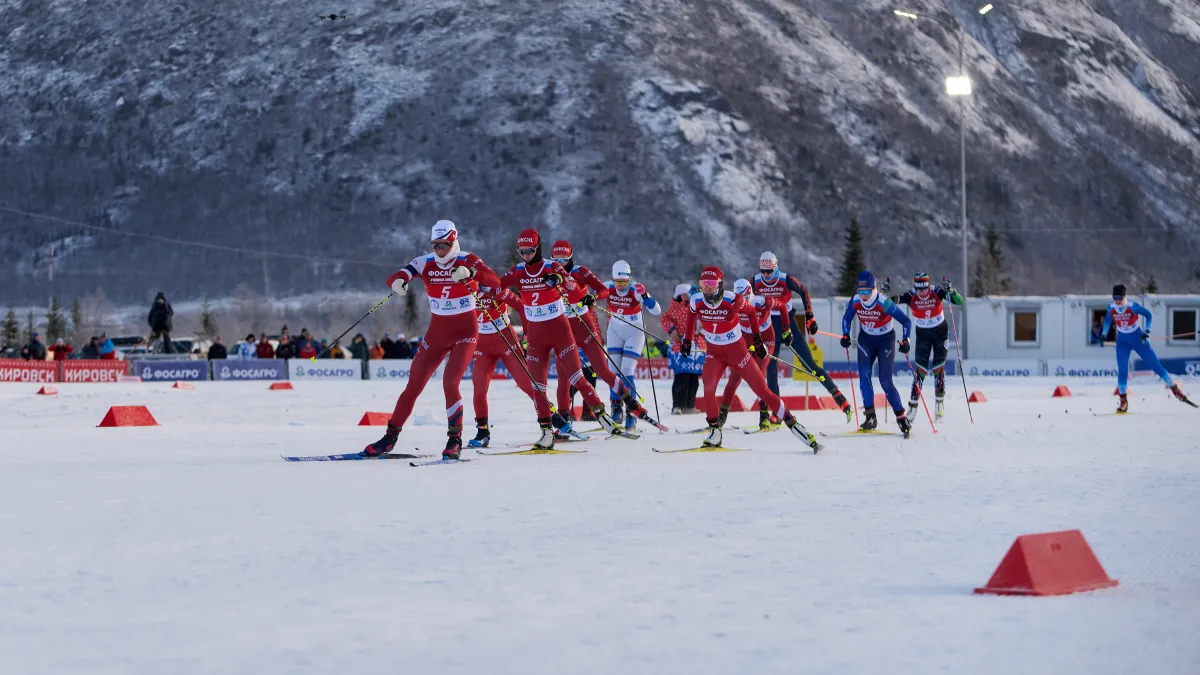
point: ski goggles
(441, 246)
(921, 284)
(527, 251)
(561, 261)
(1118, 298)
(708, 287)
(866, 292)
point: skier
(497, 342)
(719, 313)
(762, 309)
(778, 286)
(626, 298)
(541, 284)
(586, 330)
(1133, 338)
(933, 335)
(452, 331)
(876, 342)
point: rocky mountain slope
(311, 154)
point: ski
(704, 429)
(623, 434)
(761, 430)
(527, 446)
(435, 462)
(351, 456)
(531, 451)
(1115, 413)
(864, 432)
(703, 448)
(1189, 402)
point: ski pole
(653, 391)
(853, 394)
(921, 394)
(626, 380)
(524, 366)
(958, 351)
(631, 325)
(344, 333)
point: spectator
(306, 338)
(160, 322)
(35, 350)
(286, 348)
(283, 332)
(247, 349)
(404, 349)
(687, 370)
(359, 349)
(307, 348)
(61, 349)
(108, 351)
(264, 350)
(217, 350)
(336, 352)
(92, 350)
(376, 351)
(389, 347)
(322, 351)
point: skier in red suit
(719, 313)
(582, 320)
(453, 330)
(762, 307)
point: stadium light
(985, 9)
(907, 15)
(958, 85)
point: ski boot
(869, 420)
(842, 403)
(904, 424)
(676, 411)
(939, 408)
(803, 434)
(562, 427)
(764, 418)
(546, 442)
(453, 445)
(483, 435)
(714, 436)
(723, 416)
(587, 415)
(1182, 396)
(913, 404)
(605, 421)
(618, 413)
(631, 421)
(1123, 406)
(383, 445)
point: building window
(1098, 323)
(1023, 328)
(1184, 326)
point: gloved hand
(1145, 335)
(462, 273)
(685, 348)
(811, 322)
(553, 279)
(947, 285)
(845, 341)
(760, 347)
(904, 345)
(588, 300)
(398, 284)
(885, 286)
(786, 338)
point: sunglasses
(441, 245)
(561, 261)
(709, 285)
(1118, 298)
(527, 251)
(866, 291)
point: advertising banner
(395, 369)
(168, 371)
(658, 363)
(324, 369)
(14, 370)
(1179, 366)
(1002, 368)
(88, 370)
(1081, 367)
(248, 369)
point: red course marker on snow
(374, 419)
(1061, 391)
(47, 390)
(128, 416)
(977, 397)
(181, 385)
(1054, 563)
(280, 386)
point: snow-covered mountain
(671, 133)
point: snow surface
(192, 548)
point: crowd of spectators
(305, 346)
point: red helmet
(561, 250)
(528, 238)
(711, 273)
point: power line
(197, 244)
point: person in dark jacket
(286, 348)
(404, 349)
(217, 350)
(35, 350)
(91, 350)
(359, 349)
(388, 345)
(160, 322)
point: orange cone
(47, 390)
(1054, 563)
(128, 416)
(374, 419)
(181, 385)
(977, 397)
(280, 386)
(1060, 391)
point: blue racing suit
(1131, 337)
(877, 342)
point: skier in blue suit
(1132, 337)
(876, 342)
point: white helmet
(767, 262)
(621, 271)
(741, 287)
(445, 231)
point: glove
(845, 340)
(524, 343)
(811, 322)
(553, 279)
(904, 345)
(787, 337)
(462, 273)
(1145, 335)
(685, 348)
(398, 284)
(760, 348)
(588, 300)
(886, 285)
(947, 285)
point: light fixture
(907, 15)
(959, 85)
(986, 8)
